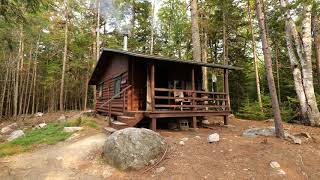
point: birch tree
(301, 44)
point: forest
(49, 49)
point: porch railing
(192, 100)
(122, 94)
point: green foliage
(251, 110)
(51, 134)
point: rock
(281, 172)
(6, 130)
(39, 114)
(72, 129)
(295, 140)
(253, 132)
(213, 138)
(206, 122)
(62, 118)
(197, 137)
(185, 139)
(133, 148)
(274, 164)
(181, 143)
(231, 116)
(160, 169)
(42, 125)
(15, 134)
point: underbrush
(51, 134)
(82, 121)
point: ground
(233, 157)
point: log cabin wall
(117, 68)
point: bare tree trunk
(196, 50)
(316, 36)
(268, 64)
(34, 79)
(205, 59)
(98, 29)
(152, 27)
(4, 87)
(64, 58)
(16, 85)
(306, 65)
(255, 59)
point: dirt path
(66, 160)
(233, 157)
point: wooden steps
(128, 120)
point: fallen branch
(161, 159)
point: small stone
(274, 164)
(184, 139)
(197, 137)
(294, 139)
(59, 158)
(206, 122)
(213, 138)
(39, 114)
(42, 125)
(245, 169)
(72, 129)
(152, 162)
(15, 134)
(281, 172)
(230, 150)
(160, 169)
(181, 143)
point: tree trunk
(98, 29)
(268, 64)
(306, 65)
(4, 88)
(196, 50)
(16, 80)
(152, 27)
(64, 59)
(297, 75)
(255, 59)
(205, 59)
(316, 37)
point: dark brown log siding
(117, 66)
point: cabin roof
(106, 52)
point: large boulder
(133, 148)
(253, 132)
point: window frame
(100, 90)
(117, 87)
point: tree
(302, 69)
(255, 60)
(196, 48)
(268, 64)
(65, 53)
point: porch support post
(153, 125)
(152, 86)
(225, 119)
(226, 87)
(194, 121)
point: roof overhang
(109, 52)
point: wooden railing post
(193, 88)
(152, 86)
(124, 101)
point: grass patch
(83, 121)
(51, 134)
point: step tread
(126, 117)
(119, 123)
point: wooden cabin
(132, 87)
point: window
(100, 89)
(117, 85)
